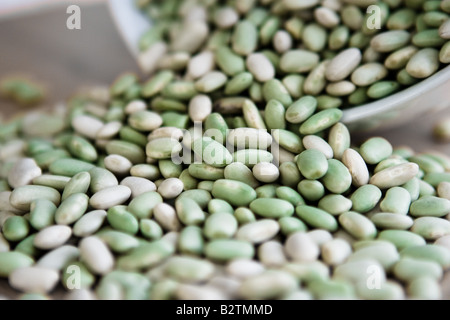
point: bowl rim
(121, 10)
(396, 100)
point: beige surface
(65, 60)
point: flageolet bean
(386, 220)
(423, 63)
(170, 188)
(390, 40)
(365, 198)
(332, 290)
(109, 197)
(228, 249)
(22, 197)
(301, 109)
(274, 89)
(316, 217)
(429, 252)
(336, 251)
(388, 290)
(266, 191)
(156, 84)
(394, 176)
(15, 228)
(211, 81)
(300, 247)
(150, 229)
(260, 67)
(87, 126)
(335, 204)
(443, 241)
(138, 185)
(59, 258)
(79, 183)
(265, 172)
(315, 37)
(101, 179)
(424, 288)
(315, 82)
(326, 17)
(121, 219)
(34, 279)
(13, 260)
(339, 139)
(290, 225)
(357, 167)
(23, 172)
(311, 190)
(317, 143)
(444, 54)
(282, 41)
(71, 209)
(409, 269)
(368, 74)
(430, 206)
(357, 225)
(337, 179)
(431, 228)
(399, 58)
(356, 271)
(298, 61)
(341, 88)
(202, 197)
(252, 117)
(443, 190)
(343, 64)
(244, 38)
(52, 237)
(289, 173)
(244, 268)
(258, 231)
(272, 208)
(298, 5)
(89, 223)
(274, 115)
(42, 213)
(312, 164)
(132, 107)
(321, 121)
(189, 212)
(197, 67)
(274, 284)
(118, 164)
(384, 253)
(96, 255)
(52, 181)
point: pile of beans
(226, 173)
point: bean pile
(227, 174)
(345, 52)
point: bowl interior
(427, 95)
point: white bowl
(429, 95)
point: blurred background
(35, 41)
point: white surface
(130, 21)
